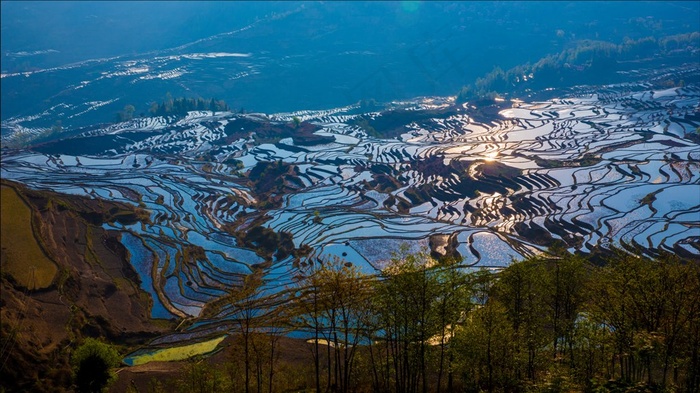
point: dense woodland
(174, 107)
(587, 62)
(557, 323)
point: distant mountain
(87, 65)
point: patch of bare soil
(95, 294)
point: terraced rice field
(604, 166)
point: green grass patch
(22, 256)
(174, 353)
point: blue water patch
(213, 277)
(226, 266)
(142, 261)
(246, 256)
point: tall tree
(650, 306)
(407, 299)
(335, 304)
(246, 302)
(454, 299)
(485, 347)
(519, 289)
(565, 280)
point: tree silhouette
(92, 364)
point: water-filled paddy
(585, 167)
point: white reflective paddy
(639, 185)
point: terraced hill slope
(228, 194)
(81, 284)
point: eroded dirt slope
(96, 292)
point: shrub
(92, 363)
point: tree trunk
(450, 358)
(316, 358)
(273, 342)
(246, 354)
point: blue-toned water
(82, 62)
(142, 261)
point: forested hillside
(586, 62)
(556, 323)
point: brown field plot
(22, 257)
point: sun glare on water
(491, 156)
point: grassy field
(22, 257)
(174, 353)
